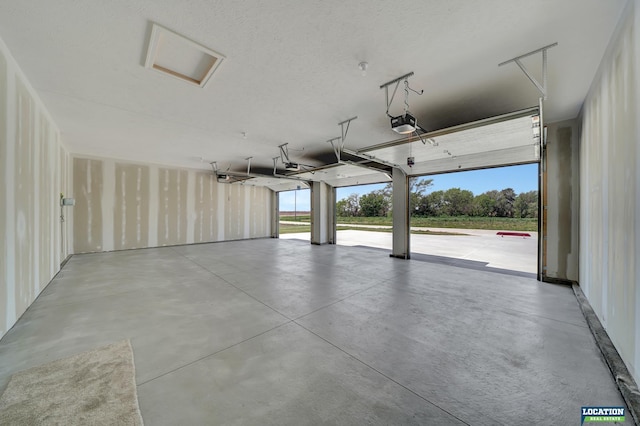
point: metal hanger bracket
(344, 126)
(542, 87)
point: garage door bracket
(542, 88)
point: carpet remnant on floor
(93, 387)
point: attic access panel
(176, 56)
(504, 140)
(341, 175)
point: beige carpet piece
(92, 388)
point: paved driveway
(483, 246)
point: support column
(400, 210)
(322, 212)
(275, 214)
(333, 219)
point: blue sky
(520, 178)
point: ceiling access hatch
(177, 56)
(505, 140)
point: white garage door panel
(359, 180)
(505, 140)
(277, 184)
(339, 175)
(512, 141)
(507, 156)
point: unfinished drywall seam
(61, 224)
(66, 186)
(573, 262)
(56, 189)
(11, 107)
(247, 212)
(30, 242)
(610, 250)
(55, 152)
(154, 199)
(179, 206)
(142, 187)
(108, 186)
(3, 185)
(635, 34)
(191, 206)
(35, 212)
(131, 200)
(199, 205)
(604, 189)
(221, 213)
(3, 188)
(160, 205)
(23, 200)
(213, 201)
(46, 202)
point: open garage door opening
(295, 214)
(509, 142)
(482, 218)
(363, 216)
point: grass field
(294, 229)
(462, 222)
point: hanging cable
(406, 97)
(386, 85)
(397, 81)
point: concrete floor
(280, 332)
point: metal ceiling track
(454, 129)
(227, 176)
(368, 157)
(338, 147)
(278, 175)
(542, 87)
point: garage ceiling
(290, 71)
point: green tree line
(452, 202)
